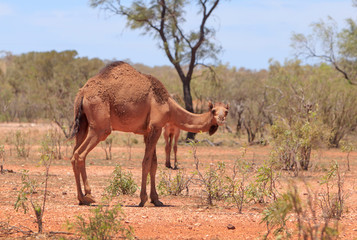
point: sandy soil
(182, 217)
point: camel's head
(219, 112)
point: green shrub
(236, 185)
(21, 144)
(173, 185)
(105, 223)
(290, 207)
(263, 186)
(121, 183)
(293, 141)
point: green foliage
(294, 139)
(214, 182)
(22, 145)
(348, 148)
(263, 187)
(105, 223)
(121, 183)
(43, 85)
(333, 195)
(172, 185)
(236, 184)
(290, 207)
(51, 144)
(30, 186)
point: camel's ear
(212, 129)
(210, 105)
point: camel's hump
(121, 81)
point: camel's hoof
(175, 168)
(87, 200)
(141, 204)
(157, 203)
(169, 167)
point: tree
(43, 85)
(329, 45)
(165, 21)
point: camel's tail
(79, 117)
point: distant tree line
(42, 85)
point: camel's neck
(189, 121)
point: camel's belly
(129, 119)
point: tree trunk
(305, 157)
(188, 103)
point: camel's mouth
(213, 129)
(221, 123)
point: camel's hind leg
(98, 130)
(92, 139)
(176, 135)
(168, 140)
(80, 137)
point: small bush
(294, 140)
(173, 185)
(264, 185)
(236, 186)
(21, 144)
(333, 194)
(121, 183)
(290, 207)
(105, 223)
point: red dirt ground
(182, 217)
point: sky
(250, 32)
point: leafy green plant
(293, 140)
(236, 187)
(264, 185)
(173, 185)
(212, 179)
(347, 147)
(290, 207)
(105, 223)
(21, 144)
(121, 183)
(55, 140)
(30, 188)
(333, 203)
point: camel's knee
(76, 160)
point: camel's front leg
(145, 170)
(150, 145)
(153, 194)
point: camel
(119, 98)
(171, 132)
